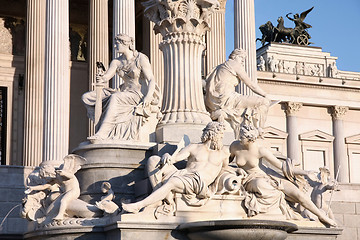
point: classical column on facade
(57, 81)
(98, 37)
(98, 44)
(182, 28)
(156, 57)
(293, 147)
(341, 163)
(34, 83)
(215, 40)
(244, 35)
(123, 22)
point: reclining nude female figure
(247, 153)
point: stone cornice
(308, 85)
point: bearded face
(214, 137)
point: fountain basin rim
(238, 224)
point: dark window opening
(3, 125)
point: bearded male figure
(204, 163)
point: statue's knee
(153, 161)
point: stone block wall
(346, 208)
(12, 186)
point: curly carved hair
(249, 132)
(125, 40)
(211, 131)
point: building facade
(315, 123)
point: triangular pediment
(317, 136)
(355, 139)
(271, 132)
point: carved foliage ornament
(180, 15)
(291, 108)
(337, 112)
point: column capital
(291, 108)
(338, 112)
(174, 16)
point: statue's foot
(328, 221)
(94, 137)
(130, 207)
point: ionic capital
(291, 108)
(338, 112)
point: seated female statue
(125, 109)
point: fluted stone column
(98, 44)
(57, 81)
(34, 82)
(244, 35)
(156, 58)
(293, 147)
(215, 40)
(98, 37)
(341, 163)
(182, 45)
(123, 22)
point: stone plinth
(297, 60)
(120, 164)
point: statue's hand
(100, 78)
(59, 172)
(312, 175)
(147, 101)
(165, 159)
(28, 190)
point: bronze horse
(283, 34)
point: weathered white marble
(122, 112)
(224, 103)
(123, 22)
(53, 190)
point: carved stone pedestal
(120, 164)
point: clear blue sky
(335, 25)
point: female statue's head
(124, 40)
(238, 54)
(248, 133)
